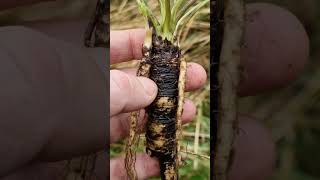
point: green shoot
(162, 11)
(146, 12)
(167, 32)
(174, 16)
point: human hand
(49, 87)
(275, 50)
(268, 66)
(130, 93)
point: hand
(130, 93)
(48, 88)
(275, 51)
(267, 67)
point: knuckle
(121, 80)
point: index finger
(126, 45)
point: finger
(275, 50)
(121, 123)
(189, 111)
(126, 45)
(45, 77)
(66, 30)
(254, 154)
(129, 93)
(146, 167)
(196, 76)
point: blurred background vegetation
(297, 138)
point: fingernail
(150, 87)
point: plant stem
(167, 32)
(146, 12)
(176, 6)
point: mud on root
(164, 58)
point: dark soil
(164, 58)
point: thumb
(130, 93)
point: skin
(254, 154)
(54, 142)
